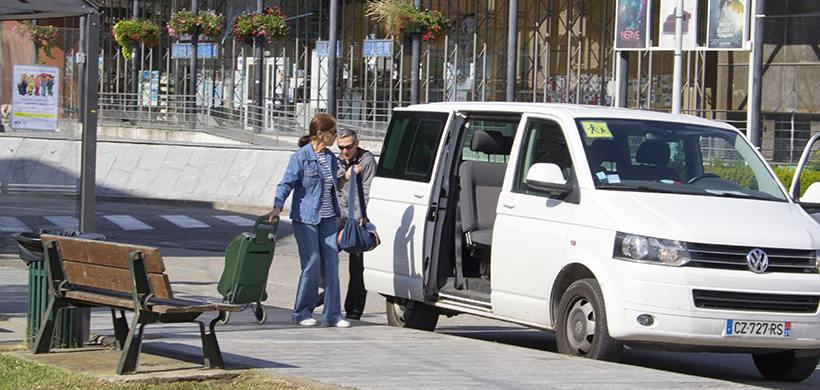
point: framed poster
(690, 31)
(632, 24)
(35, 97)
(726, 25)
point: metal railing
(241, 122)
(784, 134)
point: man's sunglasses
(346, 147)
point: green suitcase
(248, 259)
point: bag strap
(351, 209)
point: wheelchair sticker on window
(596, 129)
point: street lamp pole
(678, 66)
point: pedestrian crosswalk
(124, 222)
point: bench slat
(110, 278)
(112, 254)
(159, 306)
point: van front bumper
(668, 299)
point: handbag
(357, 235)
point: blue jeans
(318, 251)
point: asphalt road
(197, 253)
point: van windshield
(653, 156)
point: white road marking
(236, 220)
(127, 222)
(185, 221)
(64, 222)
(12, 224)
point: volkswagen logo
(757, 260)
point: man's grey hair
(345, 132)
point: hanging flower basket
(207, 24)
(44, 37)
(402, 17)
(270, 25)
(131, 31)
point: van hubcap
(580, 326)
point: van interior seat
(480, 187)
(653, 157)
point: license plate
(746, 328)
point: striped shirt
(327, 201)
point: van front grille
(734, 258)
(778, 303)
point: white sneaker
(310, 322)
(342, 324)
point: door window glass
(410, 146)
(544, 142)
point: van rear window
(410, 146)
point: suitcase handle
(262, 222)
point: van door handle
(419, 193)
(509, 203)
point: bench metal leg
(132, 346)
(210, 347)
(42, 343)
(120, 328)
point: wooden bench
(88, 273)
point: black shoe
(354, 315)
(321, 300)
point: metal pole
(333, 36)
(134, 61)
(756, 73)
(258, 75)
(192, 71)
(622, 78)
(415, 63)
(89, 141)
(81, 71)
(678, 68)
(512, 49)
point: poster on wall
(631, 24)
(35, 97)
(690, 17)
(726, 26)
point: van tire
(785, 367)
(406, 313)
(581, 329)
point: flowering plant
(42, 36)
(402, 16)
(270, 25)
(129, 31)
(204, 23)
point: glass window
(654, 156)
(505, 128)
(410, 146)
(544, 142)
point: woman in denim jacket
(311, 176)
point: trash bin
(68, 332)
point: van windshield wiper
(620, 187)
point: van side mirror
(812, 194)
(548, 177)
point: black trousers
(356, 293)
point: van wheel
(582, 328)
(784, 366)
(411, 314)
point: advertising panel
(632, 25)
(726, 26)
(35, 97)
(690, 17)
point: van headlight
(650, 250)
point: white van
(610, 227)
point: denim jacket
(304, 177)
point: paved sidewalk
(370, 355)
